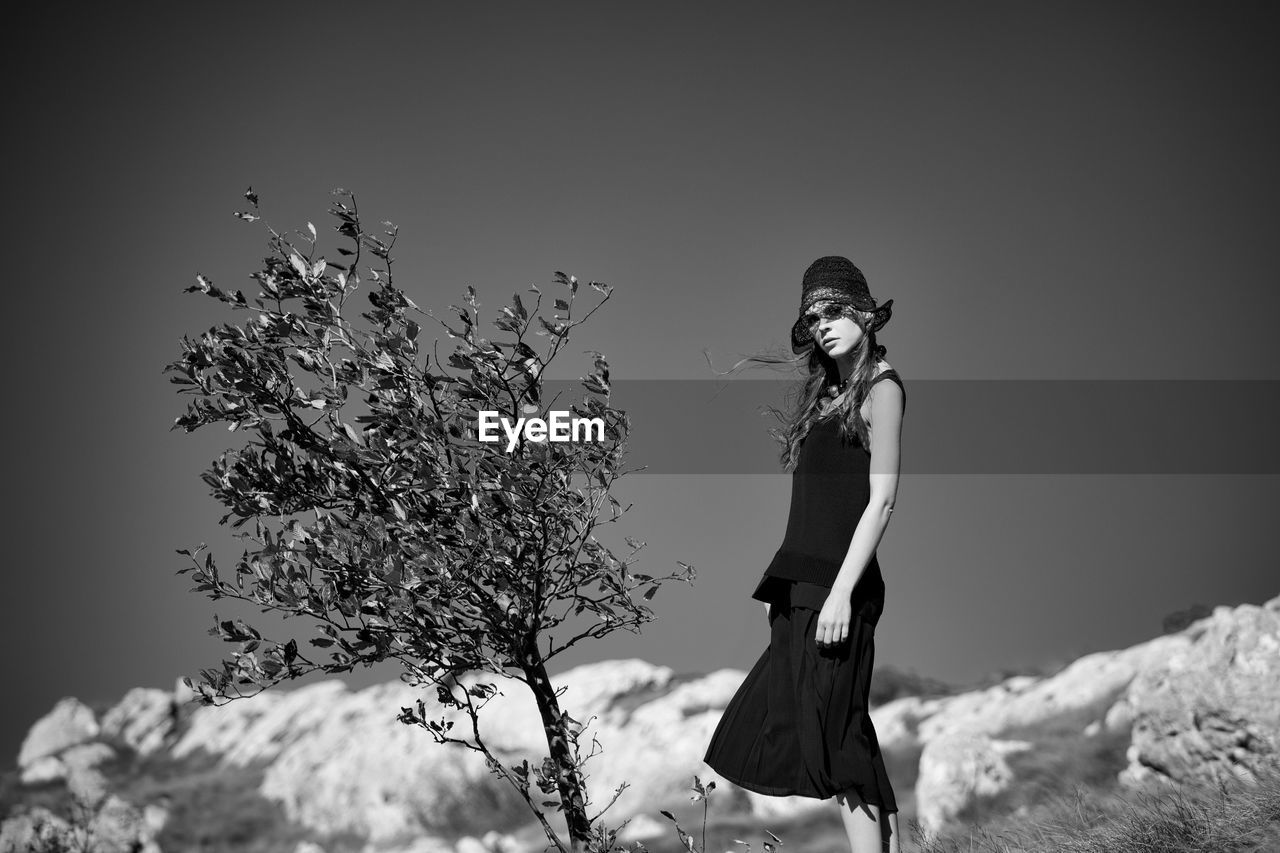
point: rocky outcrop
(117, 827)
(1212, 709)
(956, 769)
(1091, 684)
(1200, 702)
(104, 823)
(145, 718)
(69, 724)
(339, 761)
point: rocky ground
(322, 769)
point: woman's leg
(889, 829)
(861, 823)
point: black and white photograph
(643, 428)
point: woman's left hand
(833, 621)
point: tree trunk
(573, 794)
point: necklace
(837, 390)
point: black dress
(800, 725)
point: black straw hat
(836, 279)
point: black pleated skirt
(800, 725)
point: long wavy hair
(808, 400)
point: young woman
(799, 724)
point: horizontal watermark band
(1004, 426)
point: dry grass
(1233, 817)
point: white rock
(182, 697)
(421, 844)
(114, 827)
(339, 761)
(35, 829)
(1093, 681)
(155, 816)
(898, 722)
(468, 844)
(1119, 716)
(43, 770)
(1212, 709)
(69, 723)
(119, 827)
(84, 780)
(61, 766)
(142, 719)
(498, 842)
(257, 728)
(958, 769)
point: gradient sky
(1065, 191)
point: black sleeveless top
(830, 489)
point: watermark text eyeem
(558, 426)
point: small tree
(407, 537)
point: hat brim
(802, 340)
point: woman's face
(833, 328)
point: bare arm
(887, 405)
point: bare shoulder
(882, 367)
(881, 390)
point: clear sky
(1047, 191)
